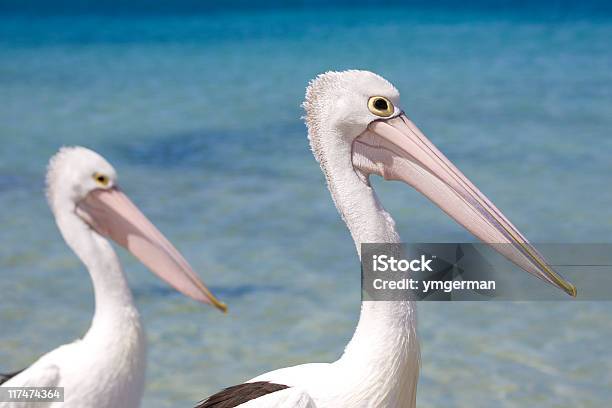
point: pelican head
(356, 126)
(82, 186)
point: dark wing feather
(239, 394)
(5, 377)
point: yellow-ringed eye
(101, 179)
(380, 106)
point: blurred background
(197, 105)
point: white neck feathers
(113, 299)
(383, 354)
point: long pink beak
(397, 150)
(112, 214)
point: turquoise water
(200, 116)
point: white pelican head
(357, 128)
(82, 186)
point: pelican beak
(112, 214)
(397, 150)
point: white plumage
(380, 365)
(357, 128)
(106, 368)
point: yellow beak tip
(221, 306)
(570, 289)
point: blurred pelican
(357, 128)
(106, 368)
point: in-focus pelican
(357, 128)
(106, 368)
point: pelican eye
(380, 106)
(101, 179)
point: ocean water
(201, 117)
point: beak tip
(571, 290)
(221, 306)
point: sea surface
(200, 115)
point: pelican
(356, 128)
(106, 368)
